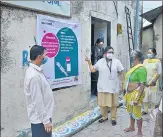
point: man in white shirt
(38, 94)
(158, 123)
(109, 69)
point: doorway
(99, 29)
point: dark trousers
(38, 130)
(94, 80)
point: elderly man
(38, 94)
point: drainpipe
(141, 28)
(136, 32)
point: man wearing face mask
(154, 70)
(108, 83)
(38, 94)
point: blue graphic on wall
(25, 61)
(66, 62)
(53, 2)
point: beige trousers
(104, 112)
(108, 100)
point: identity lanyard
(109, 66)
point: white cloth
(160, 106)
(151, 92)
(152, 68)
(108, 81)
(159, 68)
(39, 96)
(150, 96)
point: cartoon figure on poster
(61, 41)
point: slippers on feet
(102, 120)
(114, 122)
(129, 130)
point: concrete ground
(107, 130)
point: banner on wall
(61, 38)
(53, 7)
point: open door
(99, 29)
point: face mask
(109, 55)
(150, 56)
(44, 60)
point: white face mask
(150, 56)
(109, 55)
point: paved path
(107, 130)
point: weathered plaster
(157, 26)
(152, 37)
(19, 30)
(147, 39)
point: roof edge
(152, 10)
(148, 26)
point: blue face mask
(150, 56)
(44, 60)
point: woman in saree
(154, 68)
(135, 81)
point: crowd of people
(139, 87)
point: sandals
(129, 129)
(144, 113)
(102, 120)
(114, 122)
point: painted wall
(147, 39)
(158, 36)
(18, 31)
(152, 37)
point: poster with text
(61, 38)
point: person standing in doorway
(97, 53)
(38, 94)
(154, 69)
(99, 50)
(108, 83)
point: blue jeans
(38, 130)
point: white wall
(122, 46)
(158, 36)
(147, 39)
(18, 31)
(152, 37)
(98, 29)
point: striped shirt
(39, 96)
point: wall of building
(18, 31)
(152, 37)
(147, 39)
(157, 26)
(100, 30)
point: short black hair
(99, 40)
(108, 48)
(153, 51)
(35, 51)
